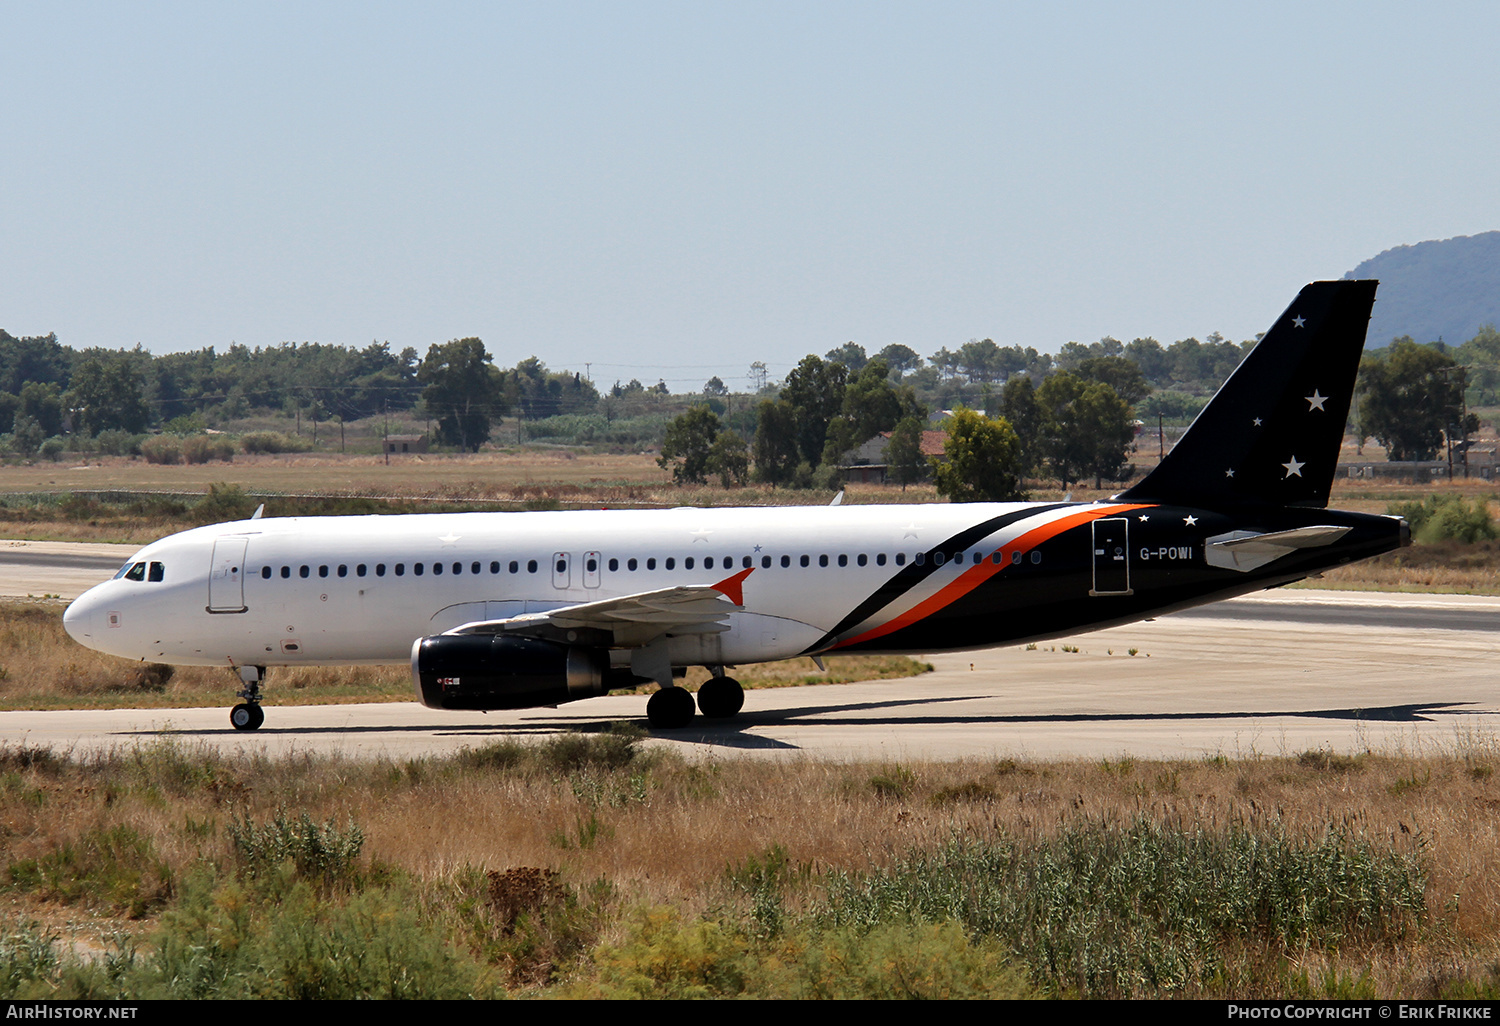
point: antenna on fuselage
(838, 500)
(258, 511)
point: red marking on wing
(977, 575)
(734, 587)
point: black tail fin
(1272, 432)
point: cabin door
(561, 577)
(1111, 557)
(226, 576)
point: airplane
(517, 610)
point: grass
(593, 866)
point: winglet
(734, 587)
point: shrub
(273, 442)
(202, 448)
(161, 449)
(118, 443)
(1444, 517)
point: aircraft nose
(79, 619)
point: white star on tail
(1315, 401)
(1293, 468)
(1297, 322)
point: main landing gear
(248, 715)
(718, 699)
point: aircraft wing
(625, 622)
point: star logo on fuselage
(449, 539)
(1190, 520)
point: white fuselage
(333, 590)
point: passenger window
(880, 559)
(343, 570)
(765, 562)
(400, 569)
(823, 560)
(379, 569)
(671, 563)
(286, 572)
(304, 570)
(843, 559)
(473, 567)
(708, 562)
(265, 573)
(651, 563)
(863, 559)
(900, 559)
(323, 570)
(360, 570)
(614, 564)
(531, 566)
(1015, 556)
(1036, 556)
(978, 558)
(997, 556)
(786, 561)
(417, 569)
(747, 562)
(937, 558)
(515, 567)
(687, 564)
(458, 568)
(494, 566)
(591, 565)
(920, 559)
(631, 564)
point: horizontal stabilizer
(1248, 550)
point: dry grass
(663, 832)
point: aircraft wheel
(720, 698)
(670, 708)
(246, 716)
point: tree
(463, 391)
(107, 398)
(715, 386)
(903, 453)
(1018, 406)
(729, 460)
(1409, 395)
(688, 445)
(1119, 373)
(776, 454)
(815, 389)
(871, 405)
(981, 460)
(901, 359)
(850, 354)
(1085, 428)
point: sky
(674, 190)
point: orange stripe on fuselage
(977, 575)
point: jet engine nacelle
(478, 671)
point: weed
(894, 782)
(325, 853)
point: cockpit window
(136, 573)
(122, 571)
(156, 572)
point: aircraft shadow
(733, 734)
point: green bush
(1447, 517)
(273, 442)
(202, 448)
(163, 449)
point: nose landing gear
(248, 715)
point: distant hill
(1445, 289)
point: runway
(1273, 674)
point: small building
(866, 463)
(398, 444)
